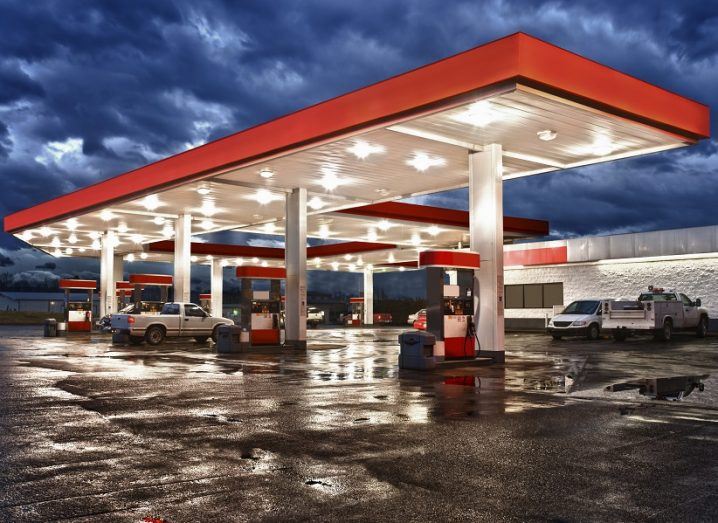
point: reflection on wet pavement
(178, 429)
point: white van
(580, 318)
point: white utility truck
(658, 311)
(174, 320)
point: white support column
(295, 323)
(368, 296)
(216, 281)
(118, 268)
(107, 273)
(486, 230)
(182, 262)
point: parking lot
(92, 432)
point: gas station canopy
(409, 135)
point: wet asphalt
(95, 432)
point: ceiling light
(94, 235)
(384, 225)
(546, 135)
(324, 231)
(96, 245)
(433, 230)
(206, 224)
(269, 228)
(330, 180)
(478, 114)
(263, 196)
(352, 267)
(130, 257)
(317, 262)
(57, 253)
(208, 208)
(382, 191)
(224, 263)
(137, 238)
(106, 215)
(362, 149)
(239, 261)
(167, 230)
(370, 266)
(402, 269)
(422, 161)
(209, 257)
(72, 238)
(26, 236)
(360, 262)
(151, 202)
(82, 249)
(122, 228)
(72, 224)
(602, 146)
(68, 250)
(391, 258)
(115, 241)
(347, 257)
(335, 266)
(255, 260)
(264, 263)
(316, 203)
(45, 232)
(158, 220)
(415, 239)
(143, 255)
(55, 242)
(266, 173)
(204, 190)
(372, 236)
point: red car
(420, 321)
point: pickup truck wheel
(214, 334)
(619, 335)
(702, 328)
(666, 332)
(201, 339)
(136, 340)
(155, 335)
(592, 332)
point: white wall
(698, 278)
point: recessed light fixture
(106, 215)
(269, 227)
(372, 236)
(96, 245)
(360, 262)
(347, 257)
(158, 220)
(324, 231)
(255, 260)
(352, 267)
(72, 224)
(317, 262)
(391, 258)
(204, 190)
(94, 235)
(72, 239)
(402, 269)
(316, 203)
(330, 180)
(122, 228)
(602, 146)
(239, 261)
(362, 149)
(55, 242)
(385, 225)
(266, 173)
(263, 196)
(415, 239)
(206, 224)
(130, 257)
(208, 208)
(209, 257)
(26, 236)
(57, 253)
(143, 255)
(433, 230)
(68, 250)
(115, 241)
(422, 161)
(151, 202)
(167, 230)
(546, 135)
(478, 114)
(137, 238)
(45, 232)
(81, 249)
(335, 266)
(264, 263)
(382, 191)
(193, 259)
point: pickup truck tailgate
(120, 322)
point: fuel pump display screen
(265, 307)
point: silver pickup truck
(174, 320)
(658, 311)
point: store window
(533, 296)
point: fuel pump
(205, 301)
(356, 312)
(451, 295)
(260, 311)
(78, 312)
(140, 282)
(123, 292)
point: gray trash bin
(50, 330)
(62, 328)
(230, 339)
(416, 350)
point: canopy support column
(296, 264)
(216, 281)
(368, 296)
(107, 273)
(486, 230)
(182, 262)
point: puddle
(670, 389)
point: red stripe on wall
(538, 256)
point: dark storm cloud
(91, 90)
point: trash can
(231, 338)
(62, 328)
(50, 330)
(416, 350)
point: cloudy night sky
(89, 90)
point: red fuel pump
(205, 301)
(78, 313)
(260, 311)
(356, 312)
(450, 297)
(123, 291)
